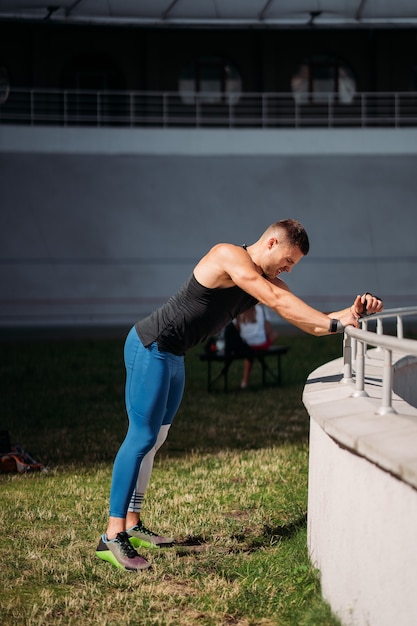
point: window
(321, 79)
(213, 78)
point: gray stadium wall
(99, 226)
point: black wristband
(333, 326)
(336, 326)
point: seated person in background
(255, 328)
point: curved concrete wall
(405, 379)
(362, 503)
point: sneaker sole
(108, 556)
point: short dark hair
(295, 232)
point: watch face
(4, 85)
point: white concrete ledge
(389, 441)
(208, 141)
(362, 505)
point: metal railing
(355, 346)
(198, 110)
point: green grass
(230, 484)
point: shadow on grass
(245, 542)
(285, 532)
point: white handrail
(197, 109)
(388, 343)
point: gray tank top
(192, 315)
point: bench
(227, 358)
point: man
(228, 280)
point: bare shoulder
(215, 268)
(227, 250)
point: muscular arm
(226, 265)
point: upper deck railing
(354, 351)
(198, 110)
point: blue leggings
(154, 389)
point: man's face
(280, 256)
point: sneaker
(120, 553)
(142, 536)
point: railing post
(229, 100)
(197, 110)
(360, 371)
(32, 108)
(347, 359)
(65, 109)
(386, 406)
(296, 113)
(329, 110)
(98, 108)
(353, 344)
(396, 110)
(364, 326)
(379, 331)
(363, 108)
(400, 328)
(264, 110)
(164, 109)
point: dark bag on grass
(14, 459)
